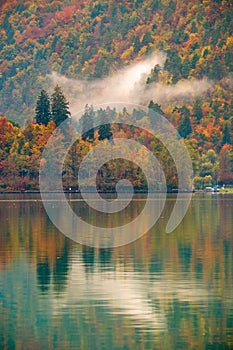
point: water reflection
(43, 275)
(61, 269)
(163, 291)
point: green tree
(60, 106)
(147, 39)
(43, 114)
(136, 44)
(87, 124)
(226, 135)
(207, 181)
(155, 107)
(173, 65)
(154, 74)
(105, 127)
(198, 182)
(184, 127)
(197, 110)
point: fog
(127, 85)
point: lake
(163, 291)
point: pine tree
(197, 110)
(226, 135)
(104, 128)
(154, 75)
(155, 107)
(60, 106)
(184, 127)
(147, 38)
(43, 114)
(87, 124)
(136, 44)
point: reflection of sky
(130, 294)
(139, 300)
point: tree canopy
(43, 112)
(59, 107)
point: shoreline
(222, 191)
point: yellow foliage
(142, 51)
(85, 66)
(127, 53)
(103, 52)
(204, 48)
(229, 42)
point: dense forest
(92, 40)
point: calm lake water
(164, 291)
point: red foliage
(226, 147)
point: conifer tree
(226, 135)
(105, 127)
(87, 124)
(197, 110)
(155, 107)
(43, 114)
(184, 127)
(154, 75)
(60, 106)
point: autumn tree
(60, 106)
(43, 114)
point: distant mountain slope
(92, 39)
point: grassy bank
(226, 190)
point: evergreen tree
(43, 114)
(60, 106)
(155, 107)
(105, 127)
(154, 75)
(173, 65)
(87, 124)
(136, 44)
(184, 127)
(147, 38)
(197, 110)
(226, 135)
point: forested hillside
(92, 40)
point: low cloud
(128, 85)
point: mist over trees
(37, 39)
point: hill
(93, 39)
